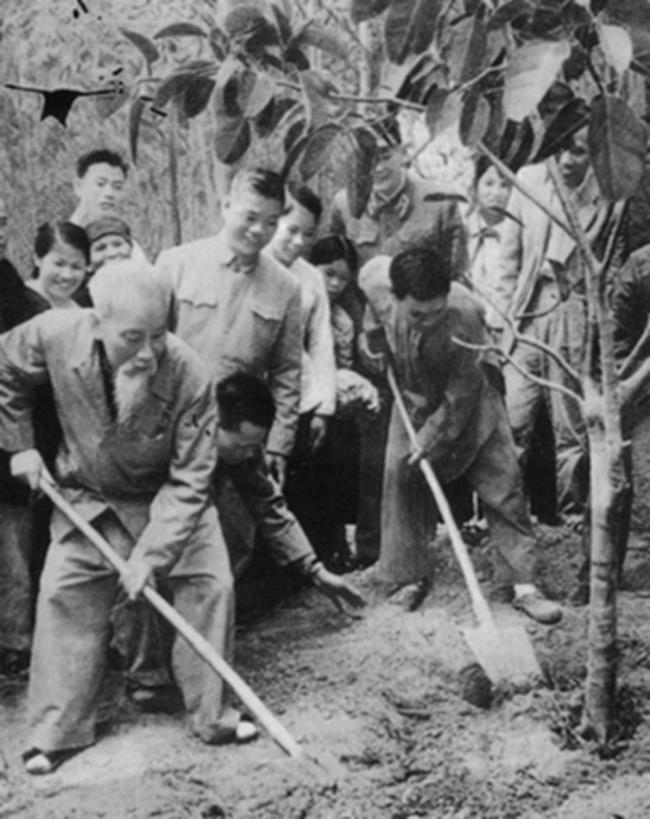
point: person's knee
(207, 590)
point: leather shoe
(535, 605)
(502, 594)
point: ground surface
(377, 700)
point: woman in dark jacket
(24, 520)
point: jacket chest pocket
(267, 319)
(142, 454)
(195, 322)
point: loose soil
(376, 703)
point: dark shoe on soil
(39, 763)
(411, 596)
(535, 605)
(165, 700)
(502, 594)
(362, 562)
(13, 662)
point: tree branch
(631, 386)
(519, 338)
(636, 354)
(543, 382)
(413, 106)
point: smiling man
(138, 415)
(237, 306)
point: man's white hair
(122, 281)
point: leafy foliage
(530, 73)
(517, 75)
(617, 145)
(359, 167)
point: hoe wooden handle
(479, 603)
(245, 693)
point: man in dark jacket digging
(462, 429)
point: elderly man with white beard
(139, 420)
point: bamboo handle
(245, 693)
(479, 603)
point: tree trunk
(172, 146)
(610, 511)
(600, 690)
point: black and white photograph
(324, 409)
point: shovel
(505, 654)
(275, 729)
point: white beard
(131, 390)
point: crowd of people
(232, 399)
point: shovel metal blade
(505, 654)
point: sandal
(246, 731)
(39, 763)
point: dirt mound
(378, 703)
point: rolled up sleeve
(268, 508)
(23, 367)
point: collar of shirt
(400, 201)
(479, 230)
(230, 260)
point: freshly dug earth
(377, 702)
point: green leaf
(513, 11)
(269, 119)
(317, 149)
(296, 56)
(197, 95)
(232, 138)
(318, 37)
(316, 90)
(283, 24)
(218, 43)
(180, 30)
(255, 92)
(617, 146)
(496, 125)
(443, 110)
(530, 73)
(617, 47)
(466, 49)
(570, 118)
(294, 132)
(409, 27)
(361, 10)
(292, 155)
(358, 180)
(516, 144)
(135, 116)
(474, 118)
(143, 44)
(107, 104)
(228, 68)
(172, 86)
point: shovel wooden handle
(245, 693)
(479, 603)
